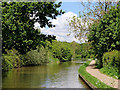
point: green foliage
(53, 60)
(18, 19)
(51, 52)
(35, 57)
(81, 26)
(105, 35)
(96, 82)
(111, 64)
(65, 51)
(11, 60)
(78, 56)
(84, 50)
(111, 71)
(111, 58)
(61, 51)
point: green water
(64, 75)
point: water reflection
(59, 75)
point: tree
(90, 21)
(73, 46)
(105, 36)
(18, 20)
(93, 11)
(61, 50)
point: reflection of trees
(37, 76)
(26, 77)
(30, 77)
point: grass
(96, 82)
(110, 71)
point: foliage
(51, 52)
(11, 60)
(77, 50)
(84, 50)
(111, 62)
(18, 19)
(105, 34)
(96, 82)
(111, 59)
(35, 57)
(111, 71)
(52, 59)
(61, 51)
(92, 11)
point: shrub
(36, 57)
(111, 58)
(111, 62)
(11, 60)
(111, 71)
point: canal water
(52, 75)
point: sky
(61, 30)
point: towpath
(104, 78)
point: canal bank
(94, 78)
(91, 86)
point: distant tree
(73, 45)
(18, 19)
(61, 50)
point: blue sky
(74, 7)
(60, 31)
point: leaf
(113, 45)
(117, 42)
(110, 34)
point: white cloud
(60, 30)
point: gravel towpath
(104, 78)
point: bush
(111, 71)
(36, 57)
(11, 60)
(111, 62)
(111, 58)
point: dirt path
(104, 78)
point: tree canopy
(18, 19)
(105, 35)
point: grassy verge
(96, 82)
(110, 71)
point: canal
(52, 75)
